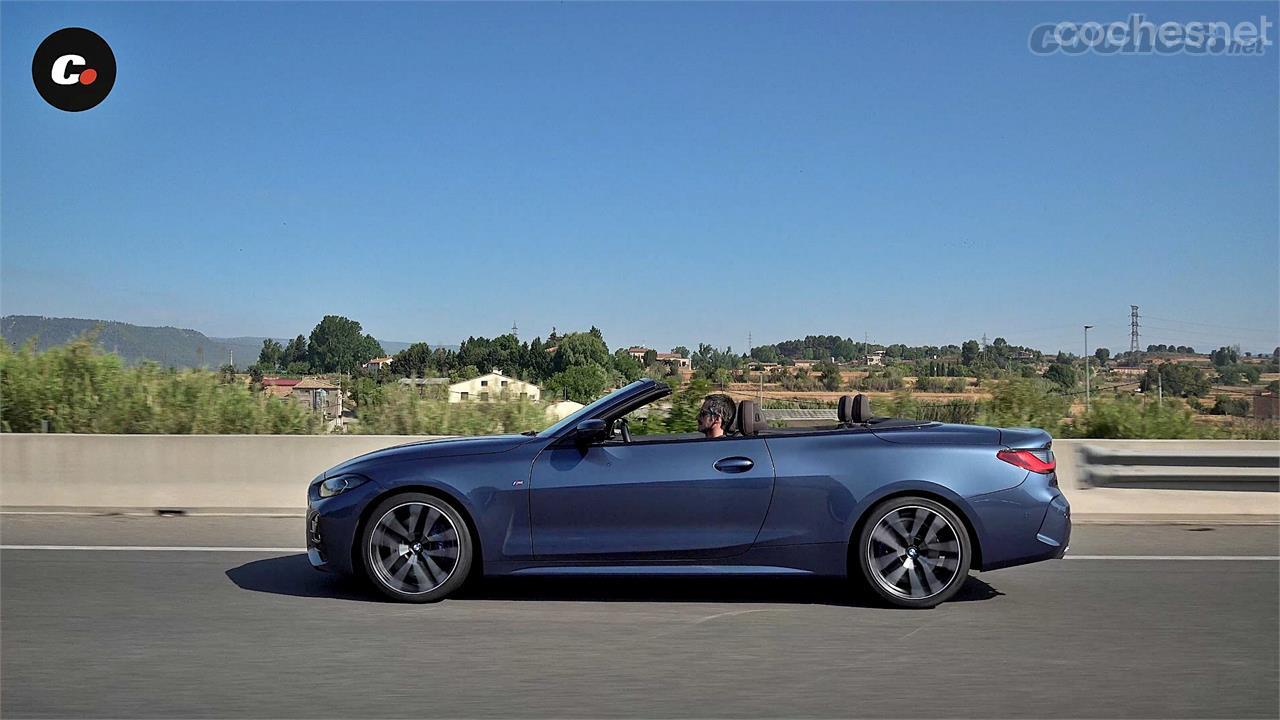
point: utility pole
(1159, 390)
(1086, 369)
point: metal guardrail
(1186, 468)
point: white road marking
(154, 548)
(216, 548)
(1174, 557)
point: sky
(671, 173)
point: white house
(493, 386)
(562, 409)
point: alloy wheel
(914, 552)
(414, 548)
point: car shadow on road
(293, 575)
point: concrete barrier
(269, 473)
(206, 472)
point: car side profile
(906, 507)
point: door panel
(650, 500)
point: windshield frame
(589, 410)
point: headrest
(861, 409)
(750, 420)
(844, 408)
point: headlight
(338, 485)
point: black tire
(405, 560)
(913, 570)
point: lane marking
(224, 548)
(1174, 557)
(155, 548)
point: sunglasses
(708, 413)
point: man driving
(716, 415)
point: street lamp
(1086, 369)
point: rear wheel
(914, 552)
(416, 548)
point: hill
(169, 346)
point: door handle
(735, 464)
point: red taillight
(1037, 461)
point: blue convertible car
(907, 506)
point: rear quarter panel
(826, 482)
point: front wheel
(914, 552)
(416, 548)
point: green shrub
(1021, 402)
(76, 388)
(1226, 405)
(1131, 418)
(400, 410)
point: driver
(716, 415)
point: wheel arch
(936, 494)
(477, 556)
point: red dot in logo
(87, 76)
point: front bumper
(331, 527)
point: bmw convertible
(906, 507)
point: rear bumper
(1025, 524)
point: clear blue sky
(670, 173)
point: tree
(650, 358)
(681, 350)
(1175, 379)
(271, 358)
(1062, 374)
(295, 355)
(413, 361)
(1224, 356)
(829, 373)
(767, 354)
(578, 349)
(580, 383)
(227, 373)
(1103, 355)
(255, 377)
(969, 352)
(337, 345)
(626, 366)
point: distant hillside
(169, 346)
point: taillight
(1037, 461)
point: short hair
(723, 406)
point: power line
(1194, 333)
(1212, 325)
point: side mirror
(589, 430)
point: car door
(673, 499)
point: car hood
(425, 449)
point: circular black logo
(74, 69)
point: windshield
(587, 411)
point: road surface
(198, 633)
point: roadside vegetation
(77, 388)
(1167, 392)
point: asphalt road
(166, 633)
